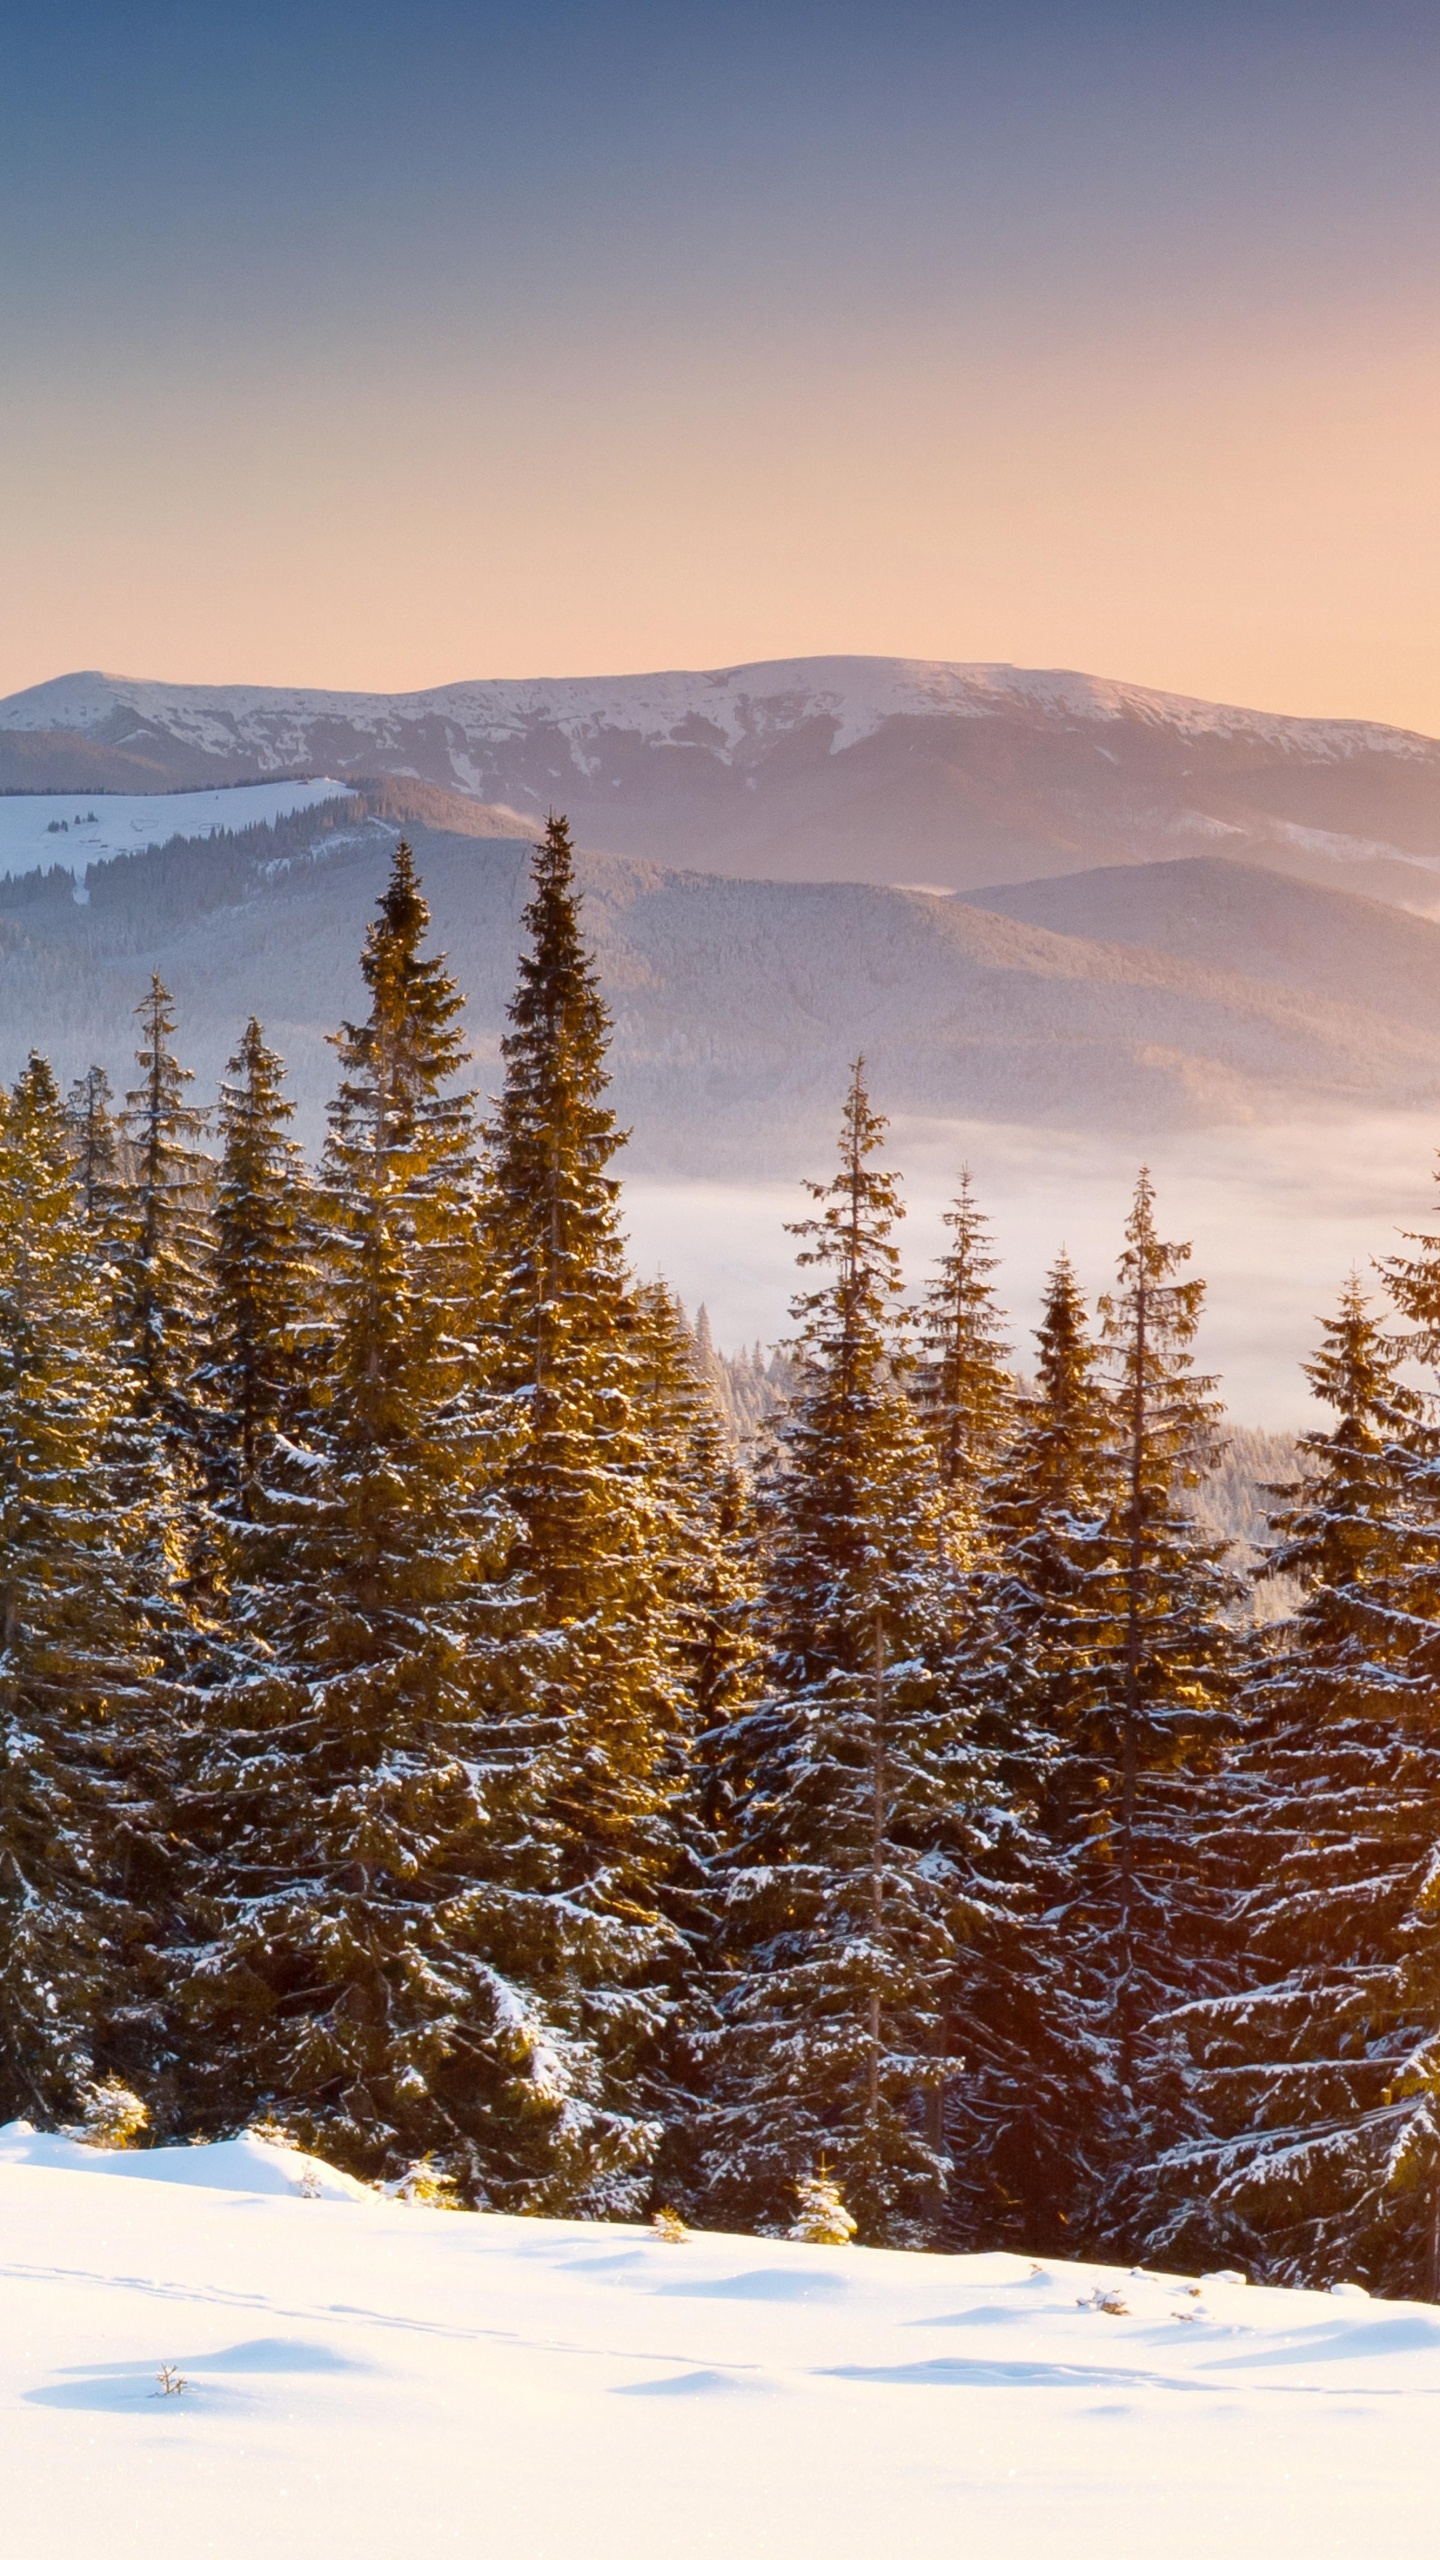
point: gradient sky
(380, 346)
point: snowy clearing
(78, 828)
(389, 2379)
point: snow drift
(397, 2380)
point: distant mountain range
(1165, 996)
(878, 770)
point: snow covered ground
(383, 2379)
(89, 826)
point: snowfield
(95, 826)
(390, 2380)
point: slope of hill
(887, 770)
(738, 1004)
(1212, 913)
(367, 2377)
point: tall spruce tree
(700, 1536)
(391, 1965)
(91, 1121)
(1025, 2119)
(1135, 1799)
(263, 1308)
(851, 1790)
(79, 1696)
(604, 1583)
(331, 1799)
(963, 1382)
(165, 1236)
(1302, 2150)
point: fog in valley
(1278, 1217)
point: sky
(357, 344)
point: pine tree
(700, 1512)
(78, 1831)
(329, 1796)
(700, 1533)
(603, 1581)
(1171, 1656)
(390, 1967)
(1130, 1806)
(851, 1788)
(823, 2217)
(263, 1306)
(165, 1243)
(964, 1385)
(1024, 2118)
(1308, 2084)
(91, 1120)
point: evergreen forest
(430, 1733)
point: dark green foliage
(963, 1384)
(334, 1794)
(1025, 2118)
(422, 1723)
(96, 1145)
(1308, 2083)
(164, 1232)
(263, 1304)
(609, 1559)
(395, 1969)
(80, 1699)
(1165, 1656)
(849, 1791)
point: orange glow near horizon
(1251, 527)
(348, 349)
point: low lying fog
(1277, 1216)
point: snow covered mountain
(879, 769)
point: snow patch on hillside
(78, 828)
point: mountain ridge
(894, 771)
(859, 690)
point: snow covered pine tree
(1138, 1784)
(610, 1544)
(1305, 2154)
(849, 1792)
(346, 1803)
(963, 1383)
(78, 1690)
(1024, 2121)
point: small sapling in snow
(822, 2216)
(111, 2116)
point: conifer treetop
(1149, 1322)
(400, 1064)
(553, 1134)
(850, 1238)
(965, 1387)
(89, 1112)
(1412, 1282)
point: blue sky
(375, 345)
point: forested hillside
(736, 1004)
(454, 1717)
